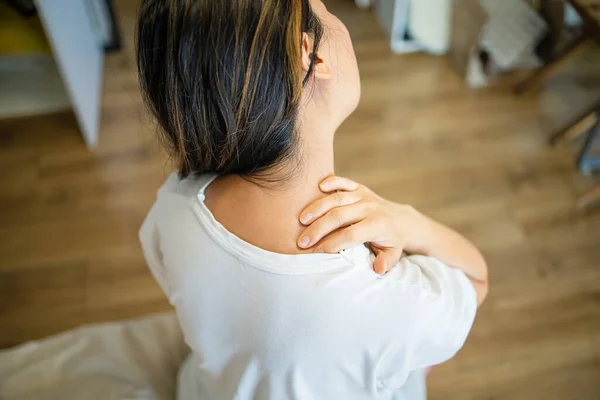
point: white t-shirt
(263, 325)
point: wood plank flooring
(476, 160)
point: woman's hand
(352, 214)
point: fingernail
(384, 270)
(304, 241)
(324, 186)
(305, 219)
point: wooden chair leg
(553, 64)
(590, 197)
(588, 114)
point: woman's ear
(321, 68)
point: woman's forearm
(450, 247)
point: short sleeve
(443, 307)
(447, 316)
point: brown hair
(223, 79)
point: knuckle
(339, 198)
(336, 217)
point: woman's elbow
(481, 289)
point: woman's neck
(266, 215)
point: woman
(257, 244)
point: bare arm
(455, 250)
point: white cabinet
(79, 53)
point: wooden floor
(477, 160)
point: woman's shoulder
(176, 211)
(178, 199)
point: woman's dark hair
(224, 79)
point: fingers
(330, 222)
(326, 204)
(345, 238)
(334, 183)
(386, 259)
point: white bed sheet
(133, 359)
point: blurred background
(481, 113)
